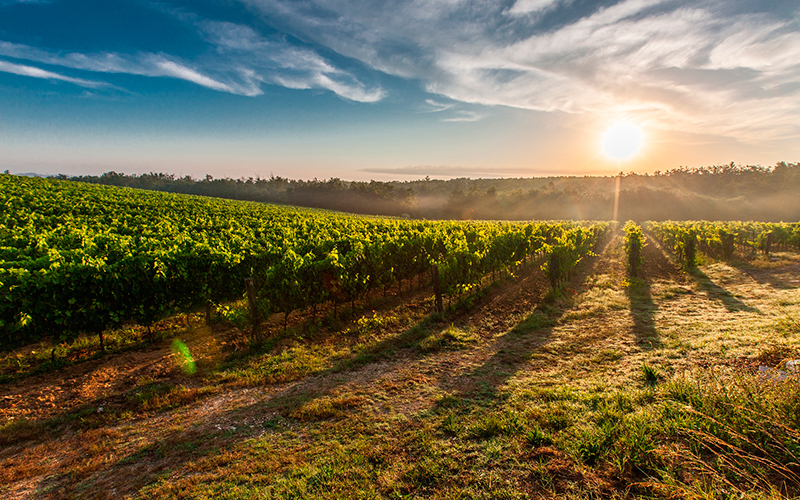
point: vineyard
(82, 258)
(721, 239)
(266, 351)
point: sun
(622, 141)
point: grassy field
(615, 387)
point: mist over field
(725, 192)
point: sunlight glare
(622, 141)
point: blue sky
(394, 90)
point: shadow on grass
(780, 278)
(514, 349)
(177, 444)
(643, 311)
(719, 294)
(270, 410)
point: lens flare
(622, 141)
(184, 357)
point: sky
(394, 90)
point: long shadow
(642, 308)
(719, 294)
(223, 429)
(219, 430)
(273, 413)
(514, 349)
(643, 311)
(780, 278)
(178, 447)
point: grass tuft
(650, 374)
(538, 437)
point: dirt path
(88, 383)
(105, 457)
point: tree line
(719, 192)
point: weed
(450, 338)
(592, 444)
(19, 429)
(788, 326)
(496, 424)
(325, 408)
(607, 355)
(428, 472)
(450, 401)
(451, 425)
(537, 437)
(650, 374)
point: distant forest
(723, 192)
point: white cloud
(701, 66)
(532, 6)
(34, 72)
(436, 106)
(240, 62)
(465, 116)
(175, 70)
(279, 62)
(143, 64)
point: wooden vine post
(251, 301)
(553, 271)
(437, 289)
(208, 312)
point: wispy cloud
(450, 111)
(279, 62)
(533, 6)
(714, 66)
(143, 64)
(465, 116)
(434, 106)
(239, 61)
(34, 72)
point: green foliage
(681, 238)
(722, 239)
(79, 258)
(650, 374)
(538, 437)
(565, 251)
(496, 424)
(634, 243)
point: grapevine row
(82, 258)
(634, 243)
(723, 239)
